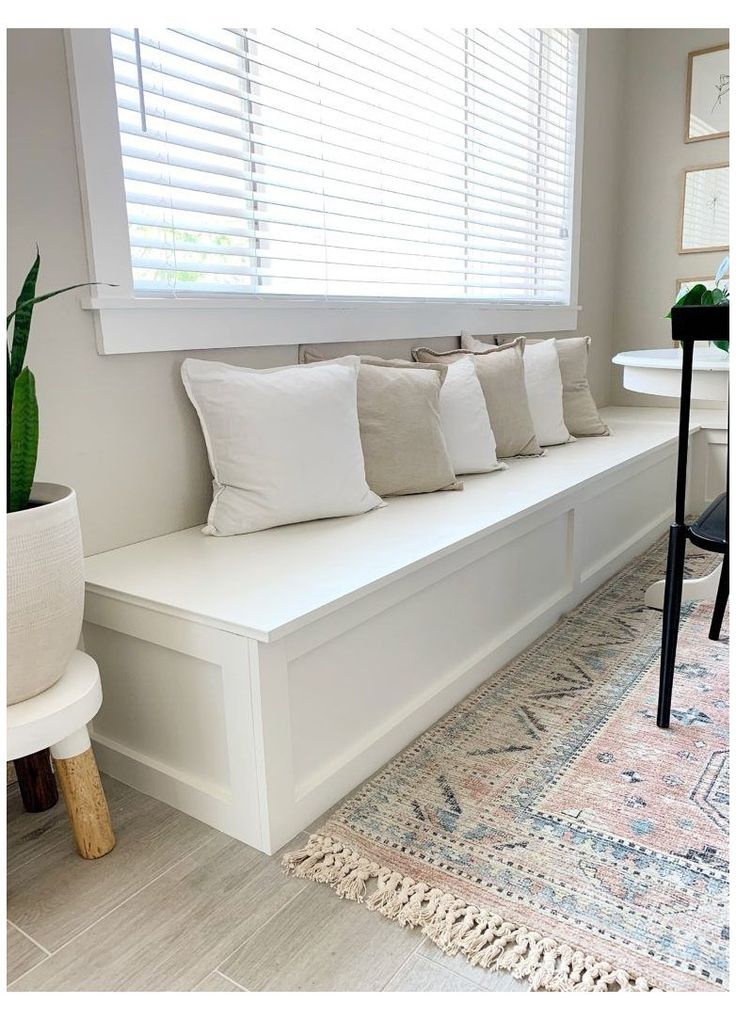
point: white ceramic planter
(45, 590)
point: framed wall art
(690, 281)
(707, 94)
(704, 210)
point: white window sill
(139, 324)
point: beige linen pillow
(579, 409)
(577, 400)
(400, 425)
(400, 429)
(501, 374)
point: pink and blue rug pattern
(546, 826)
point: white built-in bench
(253, 681)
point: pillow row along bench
(253, 681)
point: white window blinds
(354, 163)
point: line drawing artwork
(708, 94)
(705, 202)
(721, 87)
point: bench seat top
(267, 584)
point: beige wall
(654, 154)
(119, 428)
(601, 200)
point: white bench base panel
(258, 737)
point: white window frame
(129, 323)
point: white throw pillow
(283, 443)
(543, 383)
(465, 423)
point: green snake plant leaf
(23, 441)
(22, 305)
(23, 312)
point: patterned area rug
(546, 827)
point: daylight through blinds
(350, 163)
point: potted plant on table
(701, 313)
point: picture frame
(704, 209)
(707, 105)
(692, 280)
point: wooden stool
(58, 719)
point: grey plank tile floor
(217, 982)
(22, 953)
(178, 906)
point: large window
(350, 163)
(346, 184)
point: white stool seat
(52, 716)
(57, 719)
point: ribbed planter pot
(45, 590)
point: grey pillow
(578, 407)
(399, 417)
(501, 374)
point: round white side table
(658, 372)
(57, 718)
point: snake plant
(22, 406)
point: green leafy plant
(22, 406)
(699, 294)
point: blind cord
(139, 70)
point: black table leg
(676, 550)
(721, 600)
(671, 620)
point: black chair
(710, 531)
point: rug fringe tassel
(458, 927)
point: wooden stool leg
(36, 781)
(76, 771)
